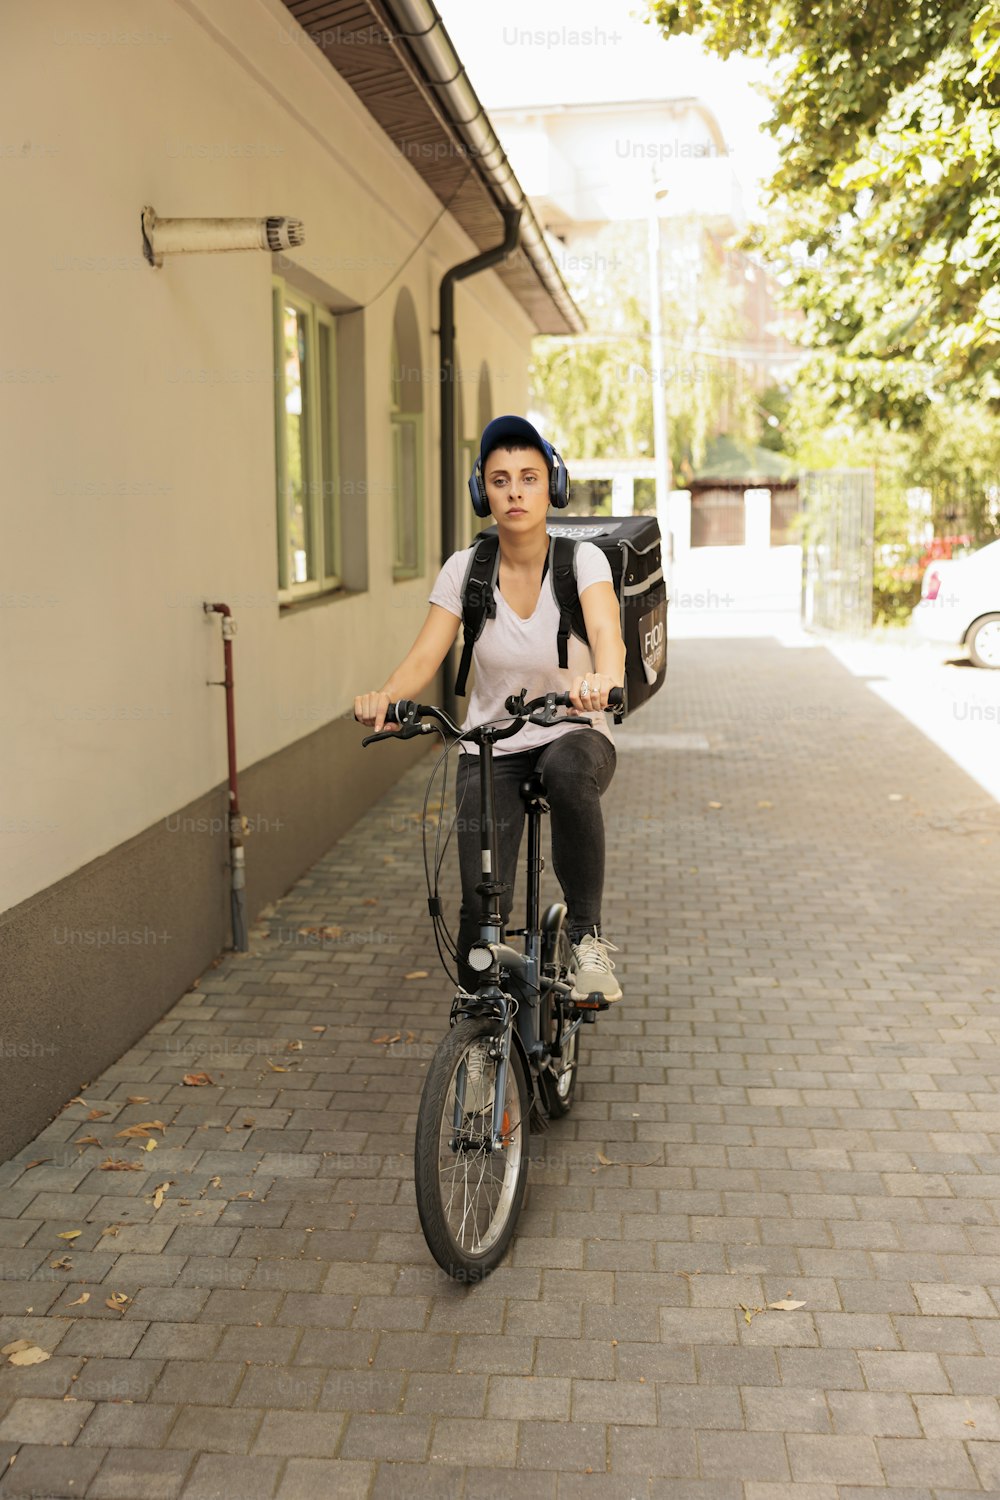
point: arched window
(466, 449)
(486, 412)
(484, 415)
(406, 397)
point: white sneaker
(593, 968)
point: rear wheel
(469, 1195)
(984, 642)
(559, 1072)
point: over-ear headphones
(558, 477)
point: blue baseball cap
(513, 430)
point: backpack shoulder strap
(478, 601)
(562, 573)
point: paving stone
(387, 1437)
(325, 1479)
(880, 1414)
(561, 1447)
(38, 1421)
(218, 1476)
(184, 1381)
(743, 1455)
(816, 1458)
(903, 1372)
(51, 1473)
(114, 1424)
(768, 1410)
(215, 1429)
(940, 1463)
(139, 1474)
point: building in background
(258, 429)
(592, 170)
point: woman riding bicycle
(518, 475)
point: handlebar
(541, 710)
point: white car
(960, 604)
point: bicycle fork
(470, 1092)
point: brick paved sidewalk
(797, 1100)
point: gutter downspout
(237, 823)
(420, 27)
(446, 333)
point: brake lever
(406, 731)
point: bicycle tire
(468, 1210)
(559, 1074)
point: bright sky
(524, 52)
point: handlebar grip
(616, 698)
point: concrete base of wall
(96, 959)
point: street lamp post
(661, 452)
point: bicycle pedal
(594, 1001)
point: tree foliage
(597, 391)
(884, 213)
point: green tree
(596, 391)
(884, 213)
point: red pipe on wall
(236, 827)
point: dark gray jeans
(576, 768)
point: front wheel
(984, 642)
(559, 1074)
(469, 1195)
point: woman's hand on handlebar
(370, 708)
(598, 690)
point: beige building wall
(139, 443)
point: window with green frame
(407, 427)
(305, 445)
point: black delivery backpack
(632, 546)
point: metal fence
(838, 531)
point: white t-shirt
(512, 653)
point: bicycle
(520, 1024)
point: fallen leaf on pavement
(215, 1182)
(276, 1067)
(118, 1164)
(138, 1099)
(143, 1128)
(38, 1162)
(28, 1354)
(97, 1114)
(83, 1297)
(381, 1041)
(787, 1304)
(70, 1234)
(294, 1047)
(62, 1264)
(416, 974)
(765, 804)
(118, 1301)
(715, 804)
(159, 1192)
(317, 1028)
(87, 1140)
(150, 1145)
(197, 1080)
